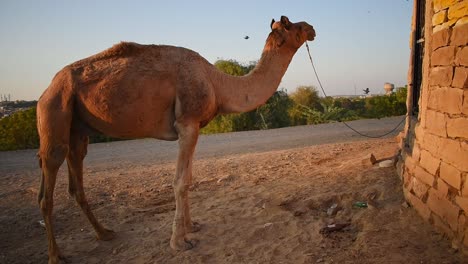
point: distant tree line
(302, 107)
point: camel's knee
(180, 187)
(45, 204)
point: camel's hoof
(54, 260)
(194, 227)
(184, 244)
(106, 235)
(57, 259)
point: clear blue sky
(362, 43)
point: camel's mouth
(311, 34)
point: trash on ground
(333, 209)
(41, 223)
(333, 228)
(360, 204)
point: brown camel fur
(137, 91)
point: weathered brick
(441, 76)
(462, 57)
(443, 208)
(439, 17)
(419, 131)
(459, 35)
(435, 123)
(451, 175)
(424, 176)
(407, 179)
(455, 153)
(429, 162)
(441, 225)
(416, 152)
(440, 39)
(420, 207)
(432, 143)
(450, 22)
(443, 56)
(458, 10)
(462, 202)
(439, 28)
(442, 188)
(410, 163)
(442, 4)
(457, 127)
(460, 78)
(447, 100)
(462, 21)
(419, 189)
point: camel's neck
(242, 94)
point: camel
(138, 91)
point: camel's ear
(272, 22)
(285, 21)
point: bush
(19, 131)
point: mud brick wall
(434, 169)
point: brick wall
(434, 169)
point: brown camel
(137, 91)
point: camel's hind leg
(76, 154)
(50, 161)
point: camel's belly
(127, 108)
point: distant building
(389, 87)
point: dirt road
(261, 197)
(151, 151)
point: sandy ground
(260, 207)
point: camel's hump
(122, 49)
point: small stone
(267, 225)
(333, 209)
(386, 164)
(405, 204)
(226, 178)
(32, 190)
(299, 212)
(319, 260)
(167, 186)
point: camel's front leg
(188, 135)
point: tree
(307, 96)
(234, 68)
(304, 100)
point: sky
(359, 44)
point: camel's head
(288, 34)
